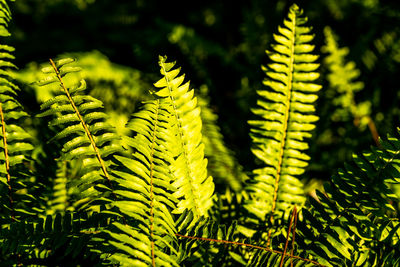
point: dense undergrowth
(123, 168)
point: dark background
(221, 44)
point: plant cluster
(156, 185)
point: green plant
(80, 191)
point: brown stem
(293, 234)
(371, 127)
(7, 162)
(287, 238)
(247, 245)
(374, 131)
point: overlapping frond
(145, 191)
(59, 200)
(222, 164)
(15, 143)
(202, 239)
(286, 119)
(85, 134)
(194, 187)
(57, 240)
(354, 222)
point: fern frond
(342, 75)
(222, 164)
(202, 246)
(194, 187)
(145, 191)
(52, 241)
(15, 144)
(354, 221)
(59, 202)
(286, 110)
(201, 241)
(343, 86)
(85, 134)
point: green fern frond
(15, 144)
(59, 202)
(56, 240)
(222, 165)
(354, 221)
(286, 110)
(201, 240)
(194, 187)
(145, 191)
(342, 78)
(85, 134)
(342, 74)
(5, 17)
(206, 243)
(343, 86)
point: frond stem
(247, 245)
(152, 185)
(287, 238)
(293, 235)
(7, 162)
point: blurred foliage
(221, 46)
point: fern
(52, 241)
(343, 86)
(59, 201)
(85, 134)
(152, 202)
(146, 193)
(15, 146)
(286, 112)
(222, 164)
(354, 222)
(194, 187)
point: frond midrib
(285, 126)
(153, 141)
(7, 161)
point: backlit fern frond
(145, 191)
(286, 119)
(59, 201)
(85, 134)
(343, 85)
(342, 75)
(194, 187)
(15, 144)
(354, 222)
